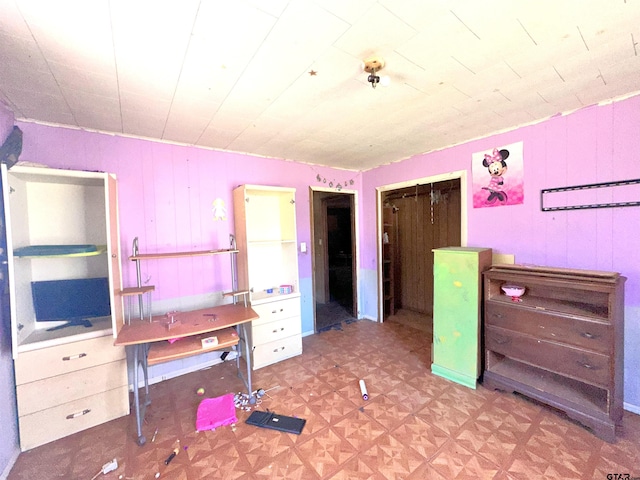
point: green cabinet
(457, 319)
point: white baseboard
(12, 461)
(629, 407)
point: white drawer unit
(47, 425)
(85, 384)
(63, 264)
(282, 328)
(273, 352)
(277, 334)
(66, 358)
(70, 386)
(277, 310)
(265, 223)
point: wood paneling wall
(422, 228)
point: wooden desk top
(187, 324)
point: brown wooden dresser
(561, 343)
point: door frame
(355, 234)
(459, 174)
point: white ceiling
(234, 74)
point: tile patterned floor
(414, 426)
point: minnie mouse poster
(491, 184)
(496, 164)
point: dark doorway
(334, 259)
(340, 257)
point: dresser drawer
(70, 386)
(590, 367)
(276, 351)
(268, 332)
(60, 359)
(574, 331)
(57, 422)
(277, 310)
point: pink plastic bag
(216, 412)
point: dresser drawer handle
(276, 349)
(588, 366)
(498, 315)
(71, 416)
(74, 357)
(588, 335)
(501, 340)
(276, 330)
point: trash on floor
(216, 412)
(244, 400)
(173, 454)
(275, 421)
(363, 390)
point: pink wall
(596, 144)
(166, 194)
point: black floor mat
(331, 315)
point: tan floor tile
(495, 444)
(455, 462)
(420, 436)
(388, 413)
(326, 452)
(467, 400)
(408, 396)
(286, 466)
(312, 388)
(358, 469)
(332, 406)
(359, 429)
(337, 377)
(443, 415)
(530, 466)
(391, 458)
(314, 422)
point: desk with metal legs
(148, 344)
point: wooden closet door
(420, 230)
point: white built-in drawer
(271, 311)
(53, 391)
(268, 332)
(276, 351)
(69, 357)
(54, 423)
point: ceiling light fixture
(373, 65)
